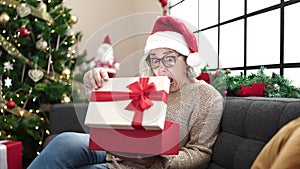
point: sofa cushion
(247, 124)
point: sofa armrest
(68, 117)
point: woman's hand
(93, 78)
(144, 160)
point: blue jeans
(69, 150)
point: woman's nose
(161, 67)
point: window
(263, 39)
(292, 34)
(246, 35)
(232, 44)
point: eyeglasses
(168, 61)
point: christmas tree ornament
(35, 74)
(4, 18)
(42, 7)
(8, 65)
(23, 10)
(66, 73)
(41, 44)
(11, 104)
(23, 32)
(8, 82)
(73, 20)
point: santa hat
(107, 40)
(169, 32)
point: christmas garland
(258, 84)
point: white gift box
(129, 103)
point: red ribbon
(141, 96)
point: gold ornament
(23, 10)
(41, 44)
(42, 7)
(73, 19)
(35, 74)
(4, 18)
(66, 73)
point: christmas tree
(38, 52)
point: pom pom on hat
(169, 32)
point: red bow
(256, 89)
(141, 96)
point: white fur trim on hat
(175, 41)
(167, 39)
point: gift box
(129, 103)
(138, 141)
(10, 155)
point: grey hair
(191, 73)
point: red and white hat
(169, 32)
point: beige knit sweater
(198, 108)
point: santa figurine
(105, 58)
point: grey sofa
(247, 124)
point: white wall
(127, 22)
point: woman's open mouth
(171, 80)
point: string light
(48, 132)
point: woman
(171, 50)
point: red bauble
(23, 32)
(11, 104)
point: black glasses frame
(163, 60)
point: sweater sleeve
(196, 153)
